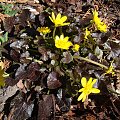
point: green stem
(54, 32)
(91, 61)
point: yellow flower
(43, 30)
(87, 33)
(110, 69)
(87, 88)
(63, 43)
(100, 25)
(58, 21)
(76, 47)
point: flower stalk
(54, 32)
(91, 61)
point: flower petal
(62, 37)
(84, 98)
(95, 90)
(83, 81)
(93, 82)
(81, 96)
(66, 39)
(69, 43)
(89, 81)
(64, 18)
(58, 16)
(82, 89)
(57, 37)
(53, 16)
(38, 29)
(65, 24)
(51, 19)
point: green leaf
(1, 39)
(12, 13)
(7, 9)
(4, 38)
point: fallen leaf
(20, 84)
(9, 23)
(2, 82)
(10, 91)
(46, 108)
(21, 1)
(52, 81)
(4, 64)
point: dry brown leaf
(20, 84)
(14, 1)
(3, 16)
(4, 64)
(22, 1)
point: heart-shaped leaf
(67, 57)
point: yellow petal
(93, 82)
(58, 16)
(82, 89)
(69, 43)
(95, 13)
(57, 37)
(62, 37)
(38, 29)
(65, 24)
(83, 81)
(76, 47)
(87, 33)
(51, 19)
(66, 39)
(81, 96)
(84, 98)
(89, 81)
(95, 90)
(53, 16)
(64, 18)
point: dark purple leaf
(46, 108)
(42, 19)
(22, 110)
(9, 23)
(23, 17)
(15, 55)
(34, 66)
(52, 81)
(10, 81)
(115, 50)
(67, 57)
(43, 51)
